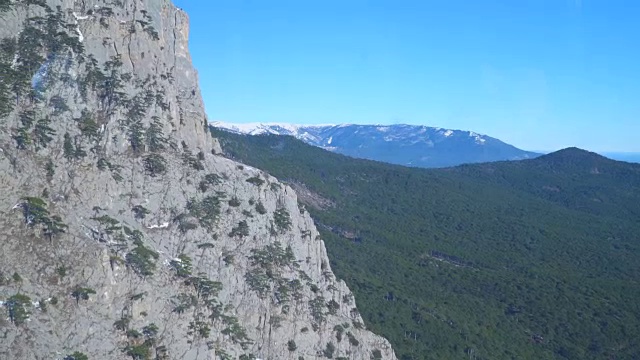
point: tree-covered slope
(534, 259)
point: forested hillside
(535, 259)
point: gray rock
(192, 256)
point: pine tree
(18, 306)
(76, 356)
(154, 136)
(69, 151)
(35, 211)
(43, 133)
(7, 51)
(87, 125)
(136, 138)
(82, 293)
(155, 164)
(5, 5)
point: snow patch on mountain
(414, 145)
(298, 131)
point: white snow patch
(479, 138)
(80, 36)
(164, 225)
(84, 17)
(308, 137)
(249, 169)
(265, 128)
(329, 148)
(318, 135)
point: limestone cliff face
(123, 234)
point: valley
(524, 259)
(133, 227)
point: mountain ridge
(403, 144)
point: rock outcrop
(123, 233)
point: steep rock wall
(123, 234)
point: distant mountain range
(409, 145)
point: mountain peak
(573, 154)
(579, 161)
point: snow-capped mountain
(411, 145)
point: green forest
(535, 259)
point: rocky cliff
(123, 233)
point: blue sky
(539, 74)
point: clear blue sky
(540, 74)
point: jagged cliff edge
(124, 234)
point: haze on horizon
(541, 75)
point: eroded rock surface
(123, 233)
